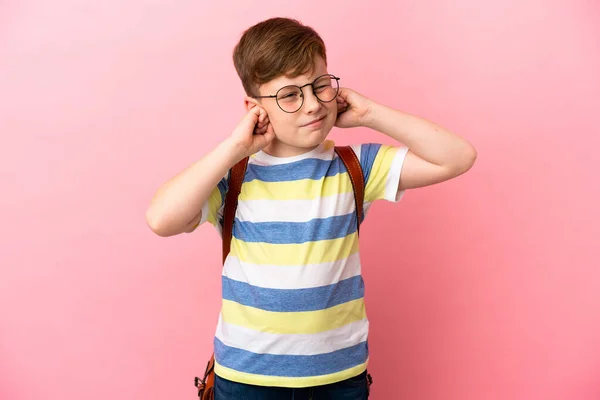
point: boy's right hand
(253, 133)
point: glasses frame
(274, 96)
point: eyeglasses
(291, 98)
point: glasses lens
(289, 98)
(326, 88)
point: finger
(264, 118)
(341, 100)
(265, 127)
(261, 126)
(254, 113)
(254, 109)
(250, 120)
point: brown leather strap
(236, 177)
(348, 157)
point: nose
(311, 103)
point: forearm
(424, 138)
(179, 201)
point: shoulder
(366, 152)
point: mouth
(315, 122)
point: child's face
(291, 130)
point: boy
(293, 323)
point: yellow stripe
(382, 165)
(300, 322)
(302, 189)
(214, 203)
(291, 382)
(295, 254)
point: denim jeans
(355, 388)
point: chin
(317, 136)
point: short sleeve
(212, 210)
(381, 165)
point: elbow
(156, 223)
(467, 160)
(470, 158)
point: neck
(282, 150)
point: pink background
(486, 287)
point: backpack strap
(350, 160)
(236, 177)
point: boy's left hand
(353, 109)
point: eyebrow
(297, 84)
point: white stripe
(304, 344)
(295, 210)
(393, 179)
(357, 150)
(205, 211)
(325, 151)
(292, 277)
(366, 208)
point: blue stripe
(311, 168)
(293, 300)
(368, 152)
(223, 185)
(290, 365)
(295, 232)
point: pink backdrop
(486, 287)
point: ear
(250, 103)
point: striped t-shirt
(293, 311)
